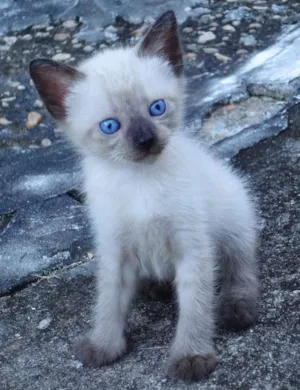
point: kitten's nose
(144, 138)
(145, 142)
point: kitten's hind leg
(239, 281)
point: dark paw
(156, 291)
(238, 314)
(95, 356)
(194, 368)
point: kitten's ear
(53, 81)
(163, 40)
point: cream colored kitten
(161, 207)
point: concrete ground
(243, 73)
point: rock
(44, 324)
(26, 37)
(222, 57)
(248, 40)
(192, 47)
(206, 37)
(62, 36)
(255, 25)
(61, 57)
(229, 28)
(111, 29)
(210, 50)
(199, 11)
(70, 24)
(4, 47)
(4, 122)
(21, 87)
(88, 49)
(38, 103)
(46, 142)
(34, 119)
(42, 34)
(10, 40)
(236, 23)
(187, 30)
(242, 52)
(190, 56)
(240, 13)
(39, 27)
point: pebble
(42, 34)
(10, 40)
(88, 49)
(26, 37)
(248, 40)
(188, 30)
(21, 87)
(46, 142)
(190, 56)
(255, 25)
(34, 118)
(111, 29)
(260, 8)
(38, 103)
(199, 11)
(44, 324)
(206, 37)
(239, 13)
(242, 52)
(74, 41)
(50, 28)
(222, 58)
(70, 24)
(210, 50)
(77, 45)
(61, 57)
(228, 27)
(110, 35)
(4, 48)
(4, 122)
(236, 23)
(39, 27)
(4, 104)
(192, 47)
(61, 36)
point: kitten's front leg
(192, 354)
(116, 285)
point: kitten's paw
(193, 368)
(238, 313)
(91, 354)
(156, 291)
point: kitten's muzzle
(144, 137)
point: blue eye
(158, 108)
(109, 126)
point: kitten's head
(121, 104)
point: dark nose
(145, 142)
(144, 139)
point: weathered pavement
(39, 323)
(235, 98)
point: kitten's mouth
(150, 154)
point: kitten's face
(123, 104)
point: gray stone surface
(40, 323)
(36, 239)
(31, 175)
(16, 16)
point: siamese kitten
(162, 208)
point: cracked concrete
(43, 320)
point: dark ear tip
(168, 15)
(40, 63)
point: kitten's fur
(169, 212)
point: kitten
(161, 207)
